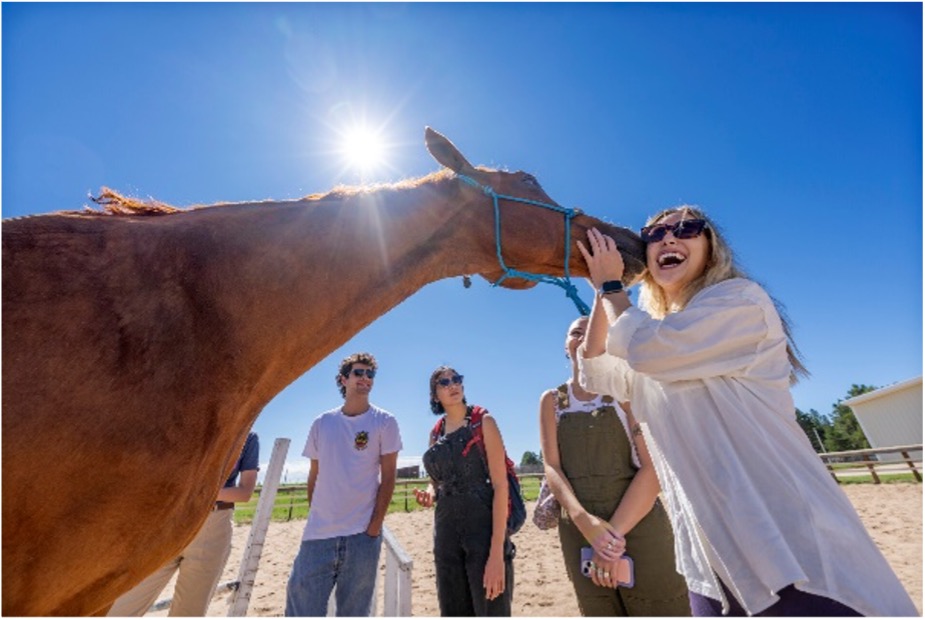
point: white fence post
(396, 593)
(242, 596)
(390, 593)
(397, 588)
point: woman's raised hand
(603, 258)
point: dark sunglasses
(369, 372)
(455, 380)
(685, 229)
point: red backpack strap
(438, 430)
(475, 423)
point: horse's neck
(297, 280)
(244, 298)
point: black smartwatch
(611, 286)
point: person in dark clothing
(472, 553)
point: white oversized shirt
(348, 449)
(748, 497)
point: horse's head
(532, 233)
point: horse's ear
(446, 153)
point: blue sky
(798, 127)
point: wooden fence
(842, 465)
(396, 595)
(292, 498)
(847, 466)
(292, 502)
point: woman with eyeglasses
(707, 362)
(598, 468)
(473, 555)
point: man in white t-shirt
(354, 453)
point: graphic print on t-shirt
(361, 440)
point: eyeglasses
(455, 380)
(369, 372)
(684, 229)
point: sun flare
(363, 149)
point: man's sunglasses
(369, 372)
(685, 229)
(455, 380)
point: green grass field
(291, 502)
(884, 478)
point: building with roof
(891, 416)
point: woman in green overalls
(608, 491)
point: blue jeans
(348, 562)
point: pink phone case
(626, 577)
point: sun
(363, 149)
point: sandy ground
(892, 514)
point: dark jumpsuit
(595, 455)
(463, 528)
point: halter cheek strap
(564, 282)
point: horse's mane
(114, 203)
(346, 191)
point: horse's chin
(517, 284)
(634, 270)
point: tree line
(839, 430)
(833, 432)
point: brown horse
(144, 341)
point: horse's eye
(529, 179)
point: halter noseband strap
(564, 282)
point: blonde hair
(721, 265)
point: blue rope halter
(564, 282)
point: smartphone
(625, 575)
